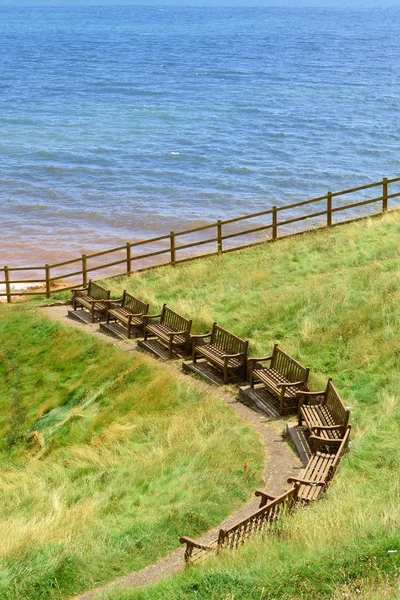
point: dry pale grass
(105, 460)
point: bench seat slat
(320, 469)
(170, 322)
(270, 378)
(317, 470)
(283, 369)
(328, 411)
(88, 302)
(123, 316)
(162, 331)
(93, 298)
(216, 354)
(221, 344)
(125, 311)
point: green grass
(332, 300)
(105, 459)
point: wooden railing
(263, 519)
(223, 234)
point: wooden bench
(172, 329)
(127, 310)
(270, 512)
(284, 378)
(324, 413)
(224, 350)
(319, 471)
(93, 298)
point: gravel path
(281, 462)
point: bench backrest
(227, 342)
(268, 514)
(289, 368)
(176, 322)
(97, 291)
(336, 407)
(341, 450)
(135, 305)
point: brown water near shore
(17, 252)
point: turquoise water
(121, 123)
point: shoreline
(207, 240)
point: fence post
(385, 195)
(84, 270)
(219, 236)
(8, 286)
(274, 223)
(329, 209)
(221, 538)
(47, 269)
(128, 258)
(173, 253)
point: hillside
(105, 459)
(332, 300)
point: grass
(332, 300)
(105, 459)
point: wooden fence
(223, 234)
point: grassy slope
(332, 299)
(104, 459)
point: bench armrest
(201, 337)
(306, 482)
(265, 498)
(285, 385)
(110, 304)
(173, 333)
(264, 495)
(311, 394)
(327, 427)
(194, 543)
(147, 317)
(305, 397)
(320, 441)
(262, 359)
(77, 290)
(116, 301)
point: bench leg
(281, 404)
(244, 371)
(226, 377)
(145, 333)
(170, 349)
(300, 418)
(251, 378)
(250, 371)
(92, 312)
(188, 553)
(194, 354)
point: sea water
(119, 123)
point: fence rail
(134, 262)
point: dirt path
(281, 462)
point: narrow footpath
(281, 462)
